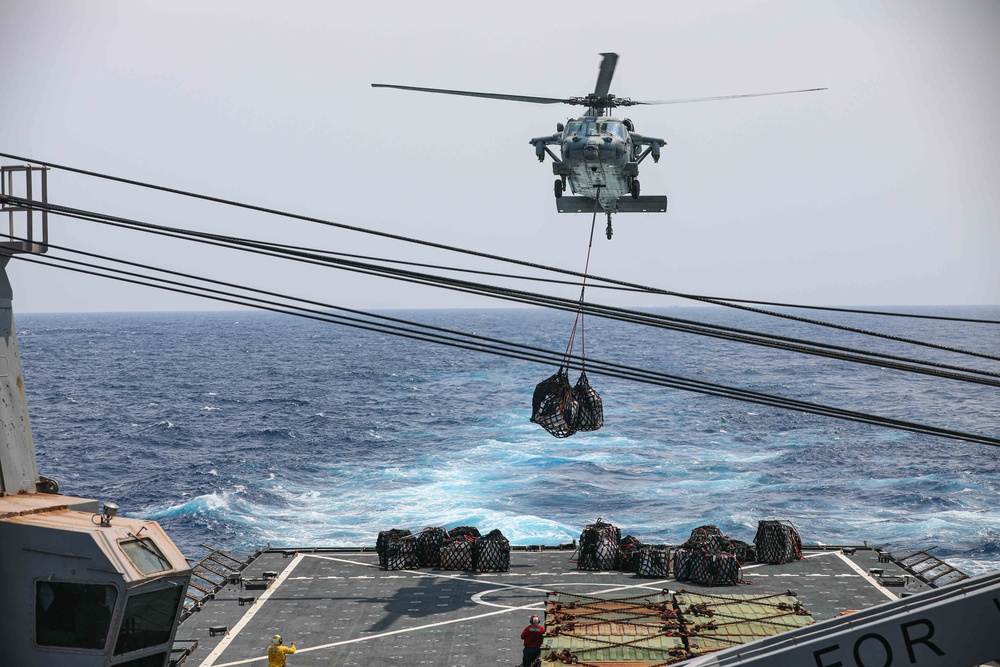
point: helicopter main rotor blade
(491, 96)
(604, 76)
(728, 97)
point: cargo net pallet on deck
(660, 628)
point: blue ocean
(242, 429)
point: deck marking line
(866, 576)
(254, 608)
(343, 560)
(386, 634)
(506, 610)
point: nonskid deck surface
(341, 608)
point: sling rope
(579, 313)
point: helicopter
(599, 154)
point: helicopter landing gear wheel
(634, 188)
(558, 187)
(610, 232)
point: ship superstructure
(82, 586)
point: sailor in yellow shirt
(276, 652)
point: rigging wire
(721, 301)
(638, 317)
(494, 346)
(646, 289)
(579, 313)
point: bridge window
(145, 555)
(149, 619)
(73, 615)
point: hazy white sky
(881, 190)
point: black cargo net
(429, 543)
(491, 553)
(777, 542)
(387, 538)
(402, 554)
(456, 554)
(707, 568)
(558, 407)
(630, 548)
(599, 547)
(460, 548)
(654, 562)
(711, 558)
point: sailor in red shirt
(532, 636)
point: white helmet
(535, 620)
(276, 639)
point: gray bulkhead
(80, 588)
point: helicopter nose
(591, 152)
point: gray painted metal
(76, 586)
(18, 469)
(644, 204)
(341, 608)
(21, 179)
(952, 626)
(48, 539)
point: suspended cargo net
(491, 553)
(554, 406)
(558, 407)
(599, 547)
(386, 538)
(590, 411)
(777, 542)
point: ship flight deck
(341, 608)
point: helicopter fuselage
(599, 158)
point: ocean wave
(347, 434)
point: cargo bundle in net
(562, 409)
(708, 568)
(385, 539)
(491, 553)
(599, 547)
(777, 542)
(461, 548)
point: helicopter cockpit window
(614, 129)
(590, 128)
(573, 127)
(73, 615)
